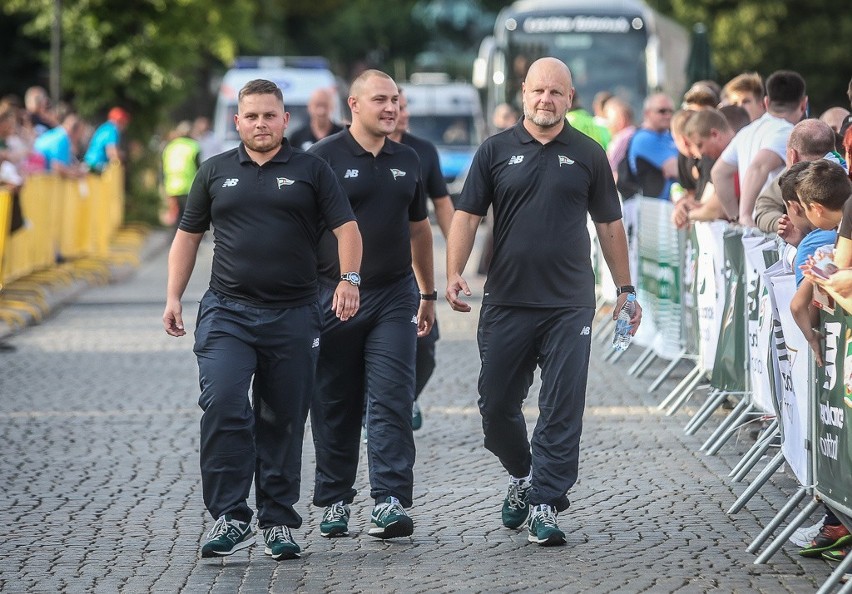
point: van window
(448, 130)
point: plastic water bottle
(621, 337)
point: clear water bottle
(621, 337)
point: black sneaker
(389, 520)
(543, 529)
(227, 537)
(280, 544)
(516, 507)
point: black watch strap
(433, 296)
(625, 289)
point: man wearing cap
(103, 148)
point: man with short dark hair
(544, 179)
(757, 151)
(373, 356)
(258, 326)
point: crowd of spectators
(37, 136)
(750, 153)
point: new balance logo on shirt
(315, 343)
(585, 331)
(283, 181)
(350, 173)
(230, 182)
(515, 159)
(397, 173)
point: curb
(37, 296)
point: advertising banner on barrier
(659, 275)
(790, 355)
(691, 337)
(833, 399)
(729, 369)
(759, 317)
(710, 292)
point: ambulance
(297, 77)
(448, 114)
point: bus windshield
(613, 62)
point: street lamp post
(56, 52)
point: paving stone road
(101, 487)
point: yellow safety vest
(179, 165)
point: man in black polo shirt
(543, 178)
(372, 356)
(436, 190)
(319, 123)
(259, 323)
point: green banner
(729, 371)
(833, 400)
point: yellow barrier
(77, 219)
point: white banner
(792, 372)
(759, 327)
(710, 276)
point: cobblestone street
(102, 491)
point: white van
(297, 77)
(448, 114)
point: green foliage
(140, 54)
(361, 33)
(768, 35)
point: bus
(620, 46)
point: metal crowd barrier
(73, 230)
(731, 298)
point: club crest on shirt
(563, 160)
(283, 181)
(397, 173)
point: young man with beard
(258, 326)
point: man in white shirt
(757, 152)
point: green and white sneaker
(389, 520)
(416, 417)
(335, 520)
(543, 529)
(227, 537)
(280, 544)
(516, 507)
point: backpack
(646, 181)
(628, 183)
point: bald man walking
(543, 178)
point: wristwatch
(433, 296)
(353, 278)
(625, 289)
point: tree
(141, 55)
(769, 35)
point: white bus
(620, 46)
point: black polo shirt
(386, 194)
(430, 165)
(303, 137)
(267, 221)
(541, 196)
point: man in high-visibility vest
(181, 160)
